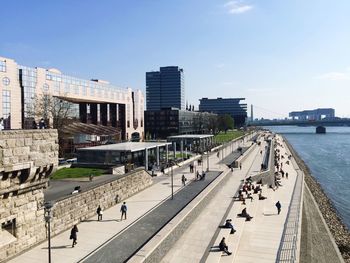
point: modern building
(165, 88)
(314, 115)
(231, 106)
(127, 153)
(159, 124)
(95, 101)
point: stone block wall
(79, 207)
(27, 158)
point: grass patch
(226, 137)
(76, 173)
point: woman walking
(73, 235)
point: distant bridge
(320, 124)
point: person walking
(240, 166)
(278, 205)
(73, 235)
(42, 124)
(99, 213)
(123, 209)
(183, 179)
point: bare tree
(52, 109)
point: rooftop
(125, 146)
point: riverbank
(337, 228)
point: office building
(165, 88)
(159, 124)
(313, 115)
(231, 106)
(96, 102)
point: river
(328, 157)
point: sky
(281, 55)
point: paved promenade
(94, 234)
(112, 240)
(255, 241)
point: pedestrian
(123, 209)
(183, 179)
(240, 166)
(278, 205)
(42, 124)
(34, 125)
(286, 175)
(73, 235)
(99, 213)
(197, 175)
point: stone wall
(27, 158)
(76, 208)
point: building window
(45, 87)
(6, 108)
(2, 66)
(6, 81)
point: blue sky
(280, 55)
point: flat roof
(125, 146)
(191, 136)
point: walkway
(255, 241)
(93, 234)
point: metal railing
(287, 251)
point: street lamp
(207, 159)
(47, 208)
(172, 179)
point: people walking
(278, 205)
(123, 210)
(99, 213)
(183, 179)
(73, 235)
(240, 166)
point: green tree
(226, 122)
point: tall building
(165, 88)
(231, 106)
(95, 101)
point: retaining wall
(82, 206)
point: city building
(314, 115)
(231, 106)
(165, 88)
(95, 101)
(159, 124)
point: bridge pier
(320, 129)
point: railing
(287, 251)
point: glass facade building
(91, 101)
(165, 88)
(159, 124)
(231, 106)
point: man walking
(123, 209)
(278, 205)
(99, 213)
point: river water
(328, 157)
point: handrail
(289, 241)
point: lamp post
(172, 178)
(47, 208)
(208, 159)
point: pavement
(94, 235)
(255, 241)
(113, 240)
